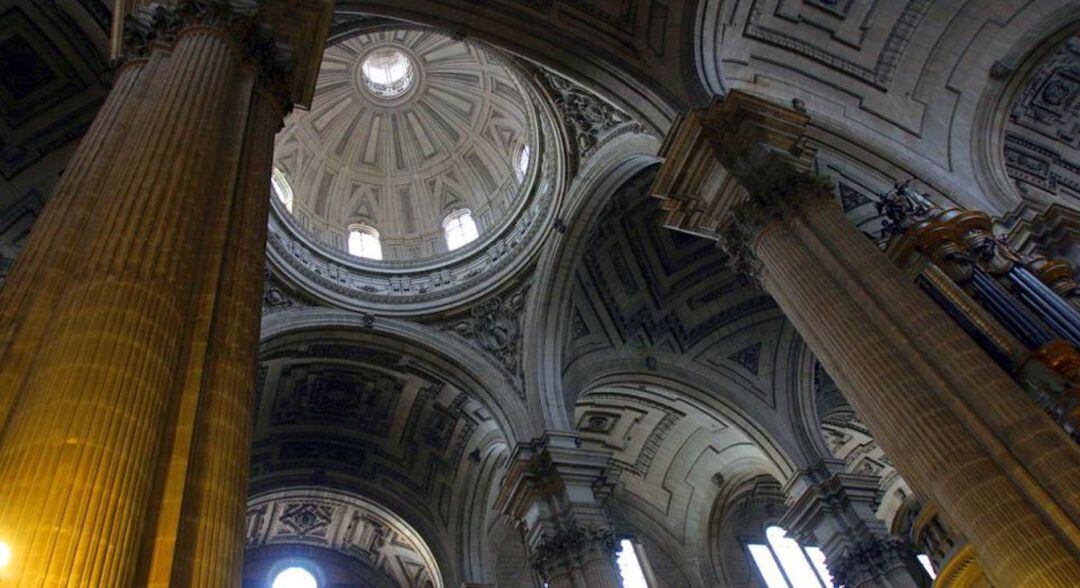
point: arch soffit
(686, 541)
(548, 311)
(320, 507)
(667, 381)
(647, 71)
(1026, 54)
(474, 372)
(943, 64)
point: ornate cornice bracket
(735, 167)
(555, 484)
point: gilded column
(959, 429)
(130, 337)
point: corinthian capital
(283, 38)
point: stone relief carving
(588, 118)
(1042, 137)
(306, 518)
(345, 524)
(495, 326)
(277, 298)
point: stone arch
(476, 370)
(347, 524)
(548, 310)
(675, 449)
(1015, 69)
(742, 510)
(643, 69)
(439, 423)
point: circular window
(295, 577)
(387, 72)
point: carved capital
(869, 560)
(775, 190)
(164, 25)
(571, 546)
(282, 38)
(835, 510)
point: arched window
(281, 188)
(783, 563)
(630, 568)
(295, 577)
(459, 229)
(523, 161)
(924, 561)
(364, 242)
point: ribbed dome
(407, 126)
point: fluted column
(834, 509)
(55, 244)
(128, 346)
(877, 339)
(958, 428)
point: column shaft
(211, 546)
(908, 370)
(91, 419)
(60, 232)
(601, 573)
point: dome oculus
(388, 73)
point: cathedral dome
(409, 132)
(427, 170)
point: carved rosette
(572, 546)
(164, 25)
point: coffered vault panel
(348, 524)
(361, 418)
(401, 163)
